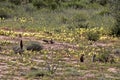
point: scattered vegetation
(61, 39)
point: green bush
(101, 2)
(93, 36)
(115, 11)
(51, 4)
(104, 12)
(5, 13)
(76, 5)
(34, 46)
(16, 2)
(106, 56)
(6, 9)
(29, 8)
(39, 3)
(115, 30)
(103, 57)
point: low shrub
(104, 12)
(37, 73)
(34, 46)
(93, 36)
(115, 30)
(6, 9)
